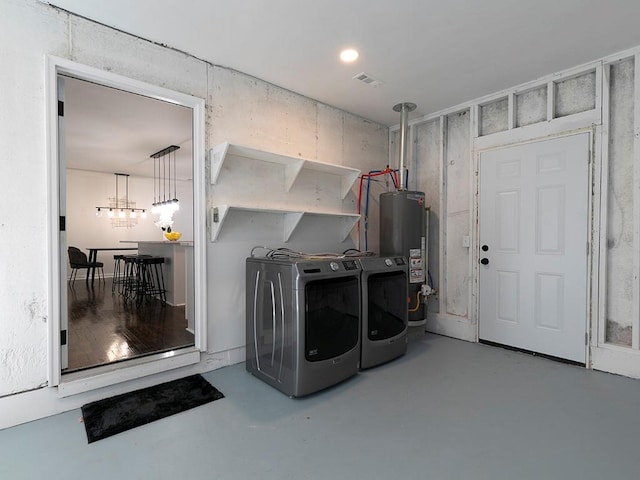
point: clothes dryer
(303, 322)
(384, 284)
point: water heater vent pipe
(404, 109)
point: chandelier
(164, 205)
(121, 211)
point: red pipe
(373, 173)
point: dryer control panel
(333, 265)
(350, 264)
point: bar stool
(129, 282)
(118, 274)
(150, 279)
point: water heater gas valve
(426, 290)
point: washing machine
(303, 322)
(384, 284)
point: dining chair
(79, 261)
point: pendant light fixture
(121, 211)
(164, 203)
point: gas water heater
(403, 232)
(403, 227)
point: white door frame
(593, 225)
(96, 378)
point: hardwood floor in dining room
(103, 328)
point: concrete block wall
(240, 109)
(28, 30)
(247, 111)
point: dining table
(93, 256)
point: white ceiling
(434, 53)
(108, 130)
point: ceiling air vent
(367, 79)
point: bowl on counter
(172, 236)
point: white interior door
(533, 220)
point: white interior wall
(240, 108)
(87, 190)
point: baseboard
(177, 304)
(121, 372)
(46, 401)
(618, 360)
(84, 277)
(452, 326)
(213, 361)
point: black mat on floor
(120, 413)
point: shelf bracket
(347, 182)
(291, 222)
(348, 223)
(291, 172)
(216, 159)
(218, 216)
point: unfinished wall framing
(601, 97)
(618, 161)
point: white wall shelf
(291, 219)
(292, 166)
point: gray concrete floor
(447, 410)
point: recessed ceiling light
(349, 55)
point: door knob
(485, 248)
(484, 261)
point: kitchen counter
(185, 243)
(178, 271)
